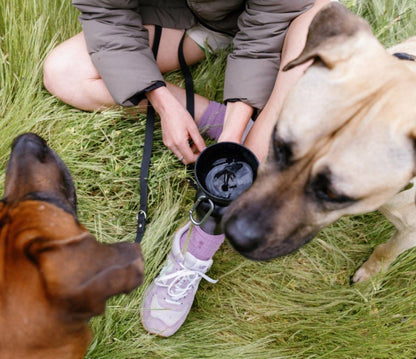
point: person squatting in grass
(111, 62)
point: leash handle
(147, 153)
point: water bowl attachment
(223, 171)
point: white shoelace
(185, 275)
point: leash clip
(195, 206)
(141, 223)
(141, 213)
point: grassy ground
(299, 306)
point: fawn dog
(344, 144)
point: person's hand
(259, 137)
(236, 119)
(179, 131)
(181, 135)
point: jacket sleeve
(254, 62)
(119, 48)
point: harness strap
(147, 152)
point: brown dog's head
(344, 142)
(54, 275)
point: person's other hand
(236, 119)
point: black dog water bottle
(222, 171)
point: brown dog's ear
(80, 274)
(329, 28)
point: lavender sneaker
(169, 298)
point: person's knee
(52, 72)
(56, 69)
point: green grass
(299, 306)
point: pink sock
(201, 245)
(212, 120)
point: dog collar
(405, 56)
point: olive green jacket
(119, 49)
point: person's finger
(194, 148)
(177, 152)
(188, 155)
(197, 139)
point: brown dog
(344, 144)
(54, 275)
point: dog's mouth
(260, 240)
(274, 250)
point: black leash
(148, 139)
(190, 100)
(147, 153)
(189, 84)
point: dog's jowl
(344, 144)
(54, 275)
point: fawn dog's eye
(322, 189)
(282, 152)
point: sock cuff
(212, 114)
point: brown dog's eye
(282, 152)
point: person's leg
(169, 298)
(70, 75)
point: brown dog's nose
(30, 144)
(34, 168)
(245, 236)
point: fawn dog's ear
(79, 273)
(330, 35)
